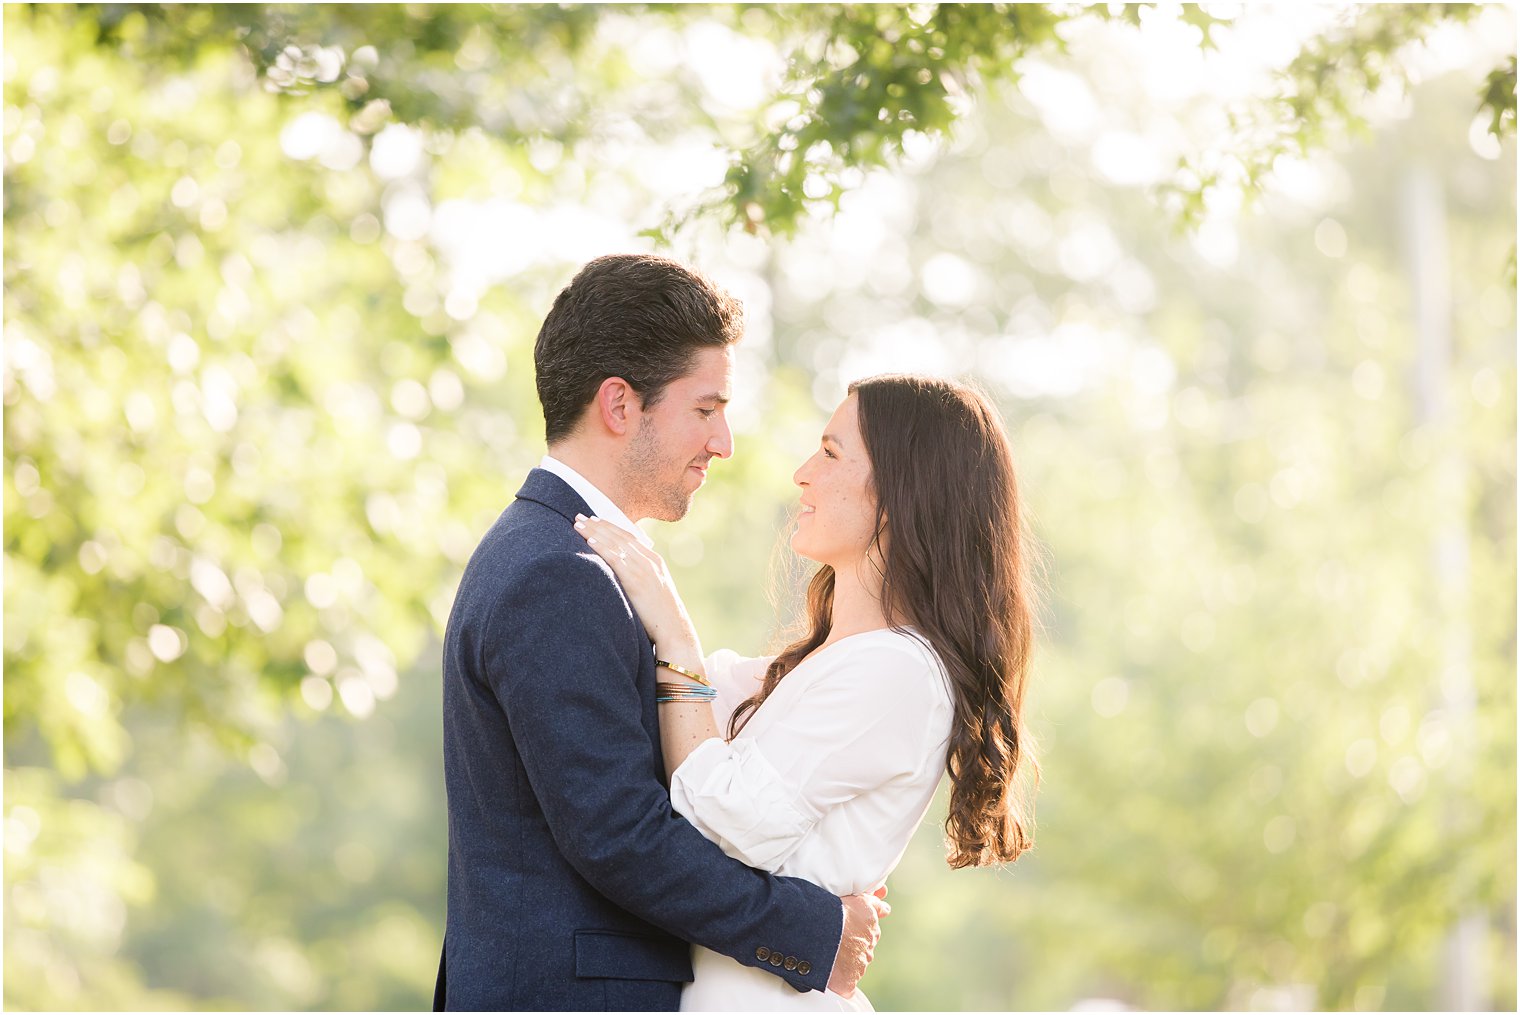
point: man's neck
(598, 467)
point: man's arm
(561, 654)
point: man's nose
(721, 444)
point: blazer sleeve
(561, 653)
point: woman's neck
(857, 602)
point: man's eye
(708, 413)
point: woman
(819, 763)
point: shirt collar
(599, 503)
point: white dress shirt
(600, 504)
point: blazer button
(804, 968)
(791, 962)
(762, 953)
(776, 958)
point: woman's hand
(649, 587)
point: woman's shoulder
(904, 641)
(900, 657)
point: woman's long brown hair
(958, 565)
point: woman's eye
(828, 454)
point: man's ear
(618, 405)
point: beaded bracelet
(672, 692)
(683, 671)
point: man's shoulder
(533, 556)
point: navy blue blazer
(572, 883)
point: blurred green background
(1241, 280)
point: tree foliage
(861, 82)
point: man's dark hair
(635, 316)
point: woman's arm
(647, 582)
(683, 724)
(869, 714)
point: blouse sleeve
(735, 678)
(871, 719)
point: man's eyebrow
(714, 396)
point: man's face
(667, 457)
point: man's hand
(862, 929)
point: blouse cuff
(736, 678)
(736, 797)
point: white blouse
(827, 782)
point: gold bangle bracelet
(683, 671)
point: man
(572, 884)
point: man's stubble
(644, 475)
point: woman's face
(838, 497)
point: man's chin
(674, 509)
